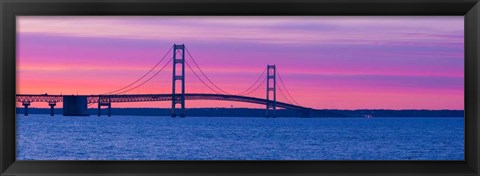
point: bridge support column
(75, 105)
(52, 107)
(109, 109)
(178, 98)
(104, 101)
(271, 88)
(26, 104)
(99, 109)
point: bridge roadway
(154, 97)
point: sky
(325, 62)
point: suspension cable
(285, 87)
(201, 71)
(281, 92)
(256, 87)
(261, 75)
(201, 79)
(147, 79)
(158, 63)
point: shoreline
(250, 112)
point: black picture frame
(9, 9)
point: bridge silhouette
(77, 104)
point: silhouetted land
(247, 112)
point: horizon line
(281, 109)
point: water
(41, 137)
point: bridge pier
(109, 105)
(26, 104)
(104, 101)
(52, 107)
(74, 105)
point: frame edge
(7, 89)
(472, 64)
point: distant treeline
(247, 112)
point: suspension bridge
(77, 104)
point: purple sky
(326, 62)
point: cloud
(269, 30)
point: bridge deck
(153, 97)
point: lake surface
(42, 137)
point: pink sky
(326, 62)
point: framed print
(192, 88)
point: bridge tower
(271, 88)
(178, 98)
